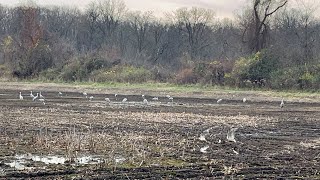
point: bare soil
(160, 139)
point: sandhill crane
(31, 95)
(43, 101)
(155, 99)
(204, 134)
(282, 103)
(20, 96)
(35, 97)
(41, 95)
(202, 137)
(204, 149)
(231, 135)
(124, 100)
(107, 100)
(244, 100)
(234, 151)
(219, 101)
(90, 98)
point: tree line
(267, 44)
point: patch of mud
(188, 138)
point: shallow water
(21, 160)
(16, 164)
(119, 159)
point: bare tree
(255, 22)
(195, 22)
(140, 24)
(159, 40)
(295, 34)
(307, 31)
(111, 13)
(92, 16)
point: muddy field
(69, 136)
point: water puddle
(17, 164)
(20, 161)
(44, 159)
(263, 134)
(119, 159)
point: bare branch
(283, 4)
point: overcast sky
(223, 8)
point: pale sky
(222, 8)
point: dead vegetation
(183, 139)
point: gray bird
(282, 103)
(20, 96)
(31, 95)
(35, 97)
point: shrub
(306, 80)
(5, 72)
(50, 75)
(301, 77)
(240, 71)
(286, 78)
(72, 72)
(125, 73)
(161, 75)
(80, 68)
(95, 63)
(135, 74)
(229, 80)
(186, 76)
(200, 69)
(210, 73)
(34, 60)
(256, 68)
(215, 73)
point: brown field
(71, 137)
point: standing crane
(282, 103)
(42, 97)
(31, 95)
(85, 94)
(20, 96)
